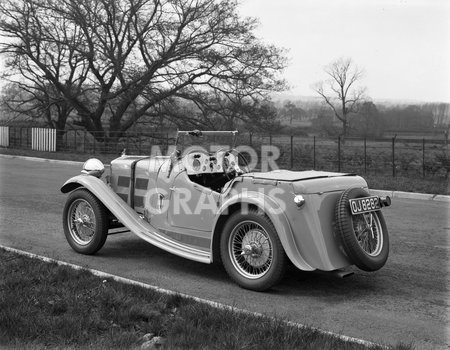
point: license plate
(364, 205)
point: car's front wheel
(251, 251)
(85, 222)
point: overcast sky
(402, 45)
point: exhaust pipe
(342, 273)
(385, 201)
(336, 273)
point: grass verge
(44, 305)
(379, 182)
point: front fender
(129, 218)
(78, 181)
(275, 213)
(100, 189)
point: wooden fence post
(365, 155)
(339, 153)
(423, 157)
(393, 156)
(314, 153)
(167, 143)
(292, 151)
(139, 144)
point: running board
(132, 220)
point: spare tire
(364, 236)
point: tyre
(85, 222)
(364, 236)
(251, 251)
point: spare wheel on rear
(364, 236)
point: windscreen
(209, 141)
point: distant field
(404, 164)
(417, 158)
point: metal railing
(415, 157)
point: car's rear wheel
(251, 251)
(85, 222)
(364, 236)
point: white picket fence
(43, 139)
(4, 136)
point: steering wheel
(230, 163)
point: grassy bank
(436, 185)
(43, 305)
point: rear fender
(272, 209)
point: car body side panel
(132, 220)
(121, 175)
(145, 172)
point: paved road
(406, 301)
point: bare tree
(114, 61)
(214, 111)
(35, 99)
(340, 92)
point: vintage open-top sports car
(208, 206)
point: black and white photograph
(225, 174)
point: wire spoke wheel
(85, 222)
(369, 233)
(364, 236)
(81, 221)
(250, 249)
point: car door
(191, 206)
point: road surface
(406, 301)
